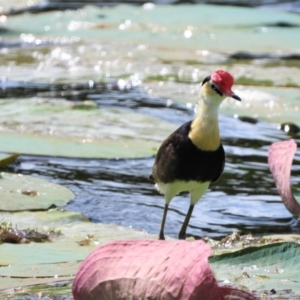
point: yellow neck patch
(205, 136)
(204, 132)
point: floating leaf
(20, 257)
(59, 130)
(260, 268)
(35, 263)
(19, 285)
(55, 146)
(150, 270)
(22, 192)
(145, 270)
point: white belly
(170, 190)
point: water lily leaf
(71, 226)
(30, 264)
(61, 130)
(56, 146)
(7, 160)
(22, 192)
(260, 268)
(42, 271)
(280, 161)
(145, 270)
(21, 260)
(19, 285)
(69, 229)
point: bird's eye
(214, 87)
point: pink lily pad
(148, 269)
(280, 161)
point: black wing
(166, 160)
(221, 169)
(178, 158)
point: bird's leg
(182, 231)
(163, 221)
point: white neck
(208, 108)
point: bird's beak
(230, 93)
(236, 97)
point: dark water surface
(118, 191)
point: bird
(193, 156)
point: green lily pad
(25, 265)
(55, 146)
(20, 192)
(61, 130)
(20, 258)
(17, 286)
(181, 24)
(72, 226)
(260, 268)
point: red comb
(224, 80)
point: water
(118, 191)
(93, 74)
(68, 57)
